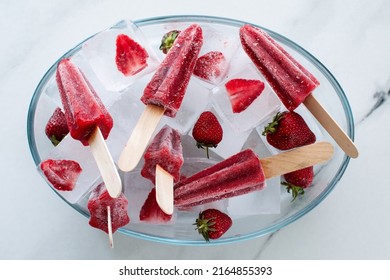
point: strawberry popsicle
(236, 175)
(88, 120)
(84, 111)
(97, 206)
(168, 85)
(163, 160)
(289, 79)
(244, 172)
(166, 151)
(164, 94)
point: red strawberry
(207, 131)
(243, 92)
(62, 174)
(288, 130)
(97, 206)
(131, 57)
(212, 224)
(167, 40)
(151, 212)
(298, 180)
(210, 66)
(56, 128)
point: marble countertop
(351, 38)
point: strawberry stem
(295, 190)
(204, 226)
(168, 40)
(205, 147)
(271, 127)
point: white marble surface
(351, 38)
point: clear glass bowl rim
(235, 23)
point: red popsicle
(244, 172)
(164, 93)
(88, 120)
(84, 111)
(97, 206)
(290, 80)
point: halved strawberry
(243, 92)
(62, 174)
(210, 66)
(131, 57)
(151, 212)
(56, 128)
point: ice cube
(71, 149)
(100, 52)
(137, 189)
(266, 201)
(220, 39)
(262, 107)
(195, 100)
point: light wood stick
(105, 163)
(164, 190)
(109, 224)
(140, 137)
(296, 159)
(331, 126)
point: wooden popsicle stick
(296, 159)
(139, 138)
(109, 225)
(331, 126)
(105, 163)
(164, 190)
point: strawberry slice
(151, 212)
(131, 57)
(62, 174)
(210, 66)
(243, 92)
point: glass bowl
(253, 216)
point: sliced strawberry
(62, 174)
(210, 66)
(243, 92)
(151, 212)
(131, 57)
(97, 206)
(56, 128)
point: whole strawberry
(288, 130)
(298, 180)
(212, 224)
(56, 128)
(207, 131)
(167, 40)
